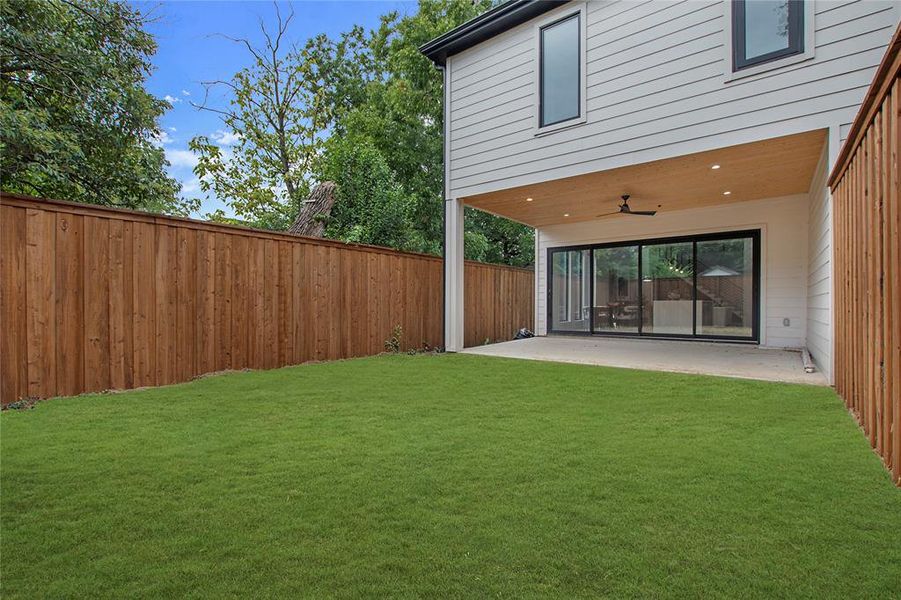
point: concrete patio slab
(727, 360)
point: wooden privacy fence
(93, 298)
(867, 217)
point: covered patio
(729, 245)
(727, 360)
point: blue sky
(190, 52)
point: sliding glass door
(725, 285)
(667, 297)
(570, 275)
(616, 295)
(704, 286)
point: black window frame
(739, 31)
(753, 234)
(578, 17)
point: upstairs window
(560, 71)
(766, 30)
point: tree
(277, 119)
(380, 88)
(496, 240)
(77, 122)
(300, 115)
(372, 207)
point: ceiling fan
(626, 210)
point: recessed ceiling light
(715, 167)
(565, 214)
(726, 193)
(528, 199)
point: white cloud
(225, 138)
(171, 99)
(181, 158)
(185, 93)
(173, 129)
(161, 139)
(191, 186)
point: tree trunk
(315, 211)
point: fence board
(865, 187)
(69, 303)
(93, 298)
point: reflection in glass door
(667, 289)
(725, 287)
(571, 290)
(616, 306)
(693, 286)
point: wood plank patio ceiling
(770, 168)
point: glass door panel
(667, 289)
(725, 288)
(616, 307)
(571, 290)
(694, 286)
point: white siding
(819, 270)
(784, 263)
(657, 88)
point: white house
(722, 118)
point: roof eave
(485, 26)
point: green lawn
(447, 475)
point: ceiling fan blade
(643, 213)
(616, 212)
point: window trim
(775, 60)
(757, 285)
(555, 17)
(739, 31)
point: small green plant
(22, 404)
(393, 343)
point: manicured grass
(443, 476)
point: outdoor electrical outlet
(786, 322)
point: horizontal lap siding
(865, 188)
(656, 88)
(94, 299)
(819, 271)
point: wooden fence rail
(867, 218)
(93, 298)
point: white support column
(453, 275)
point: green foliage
(393, 343)
(365, 110)
(76, 121)
(497, 240)
(276, 118)
(371, 206)
(381, 91)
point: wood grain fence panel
(495, 306)
(128, 291)
(120, 309)
(185, 312)
(166, 310)
(97, 362)
(13, 299)
(206, 338)
(40, 289)
(240, 260)
(143, 316)
(93, 298)
(70, 303)
(865, 193)
(893, 318)
(224, 301)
